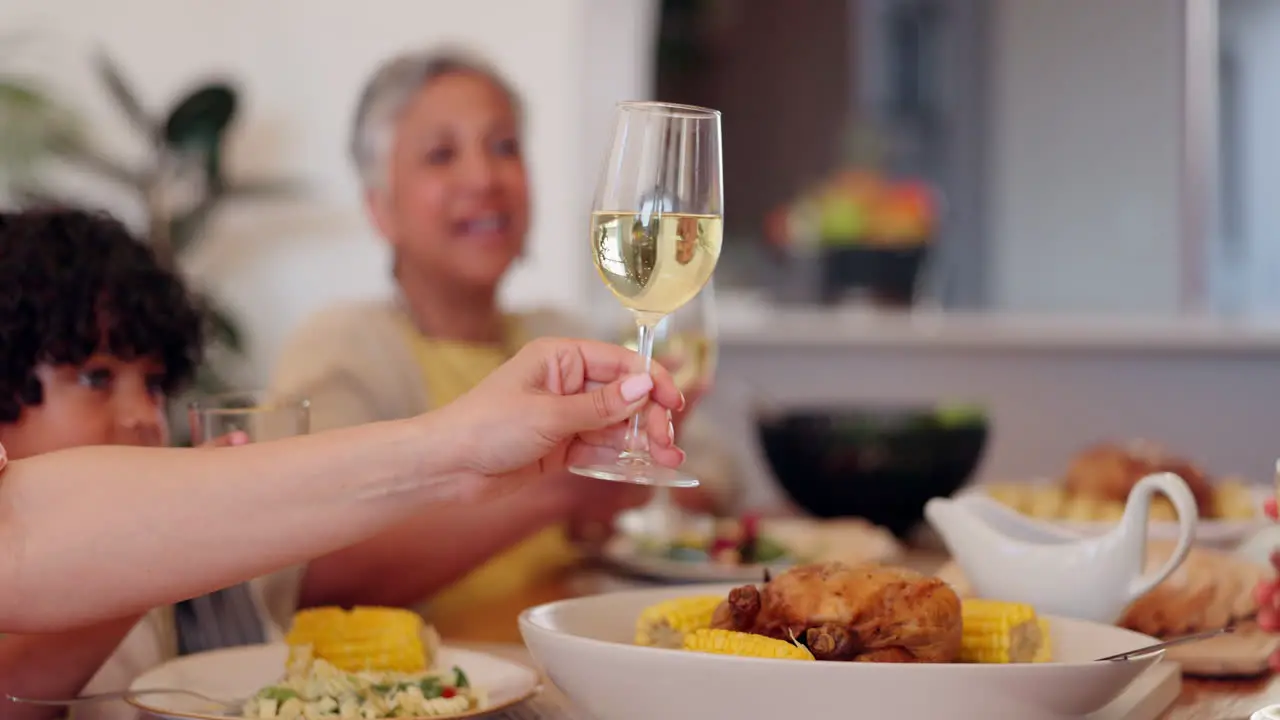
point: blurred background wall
(300, 65)
(1106, 169)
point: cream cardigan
(355, 364)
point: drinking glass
(259, 415)
(227, 617)
(685, 343)
(656, 228)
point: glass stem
(662, 498)
(637, 445)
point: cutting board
(1241, 654)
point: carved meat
(867, 613)
(1109, 472)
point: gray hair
(392, 87)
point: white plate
(849, 540)
(621, 552)
(585, 647)
(1222, 534)
(241, 671)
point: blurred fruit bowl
(858, 208)
(879, 464)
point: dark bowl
(882, 465)
(887, 274)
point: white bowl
(585, 646)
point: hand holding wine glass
(655, 238)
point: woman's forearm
(437, 547)
(56, 665)
(93, 517)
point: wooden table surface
(495, 622)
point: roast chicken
(864, 613)
(1109, 472)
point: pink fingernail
(238, 438)
(636, 387)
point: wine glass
(685, 343)
(656, 228)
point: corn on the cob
(365, 638)
(665, 624)
(728, 642)
(1045, 653)
(999, 632)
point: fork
(125, 695)
(1133, 654)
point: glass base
(638, 472)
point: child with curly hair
(95, 335)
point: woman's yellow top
(450, 368)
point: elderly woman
(436, 140)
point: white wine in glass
(656, 230)
(655, 262)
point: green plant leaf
(264, 189)
(210, 108)
(29, 196)
(197, 124)
(32, 121)
(21, 93)
(78, 152)
(186, 229)
(223, 329)
(126, 99)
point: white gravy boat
(1007, 556)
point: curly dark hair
(74, 283)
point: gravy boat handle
(1174, 488)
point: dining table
(493, 626)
